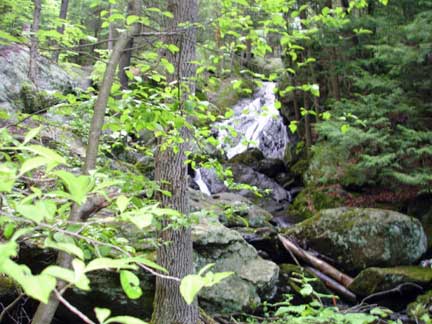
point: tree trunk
(125, 59)
(334, 77)
(308, 130)
(295, 101)
(60, 29)
(175, 254)
(110, 33)
(45, 312)
(34, 41)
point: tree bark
(307, 124)
(34, 41)
(125, 59)
(295, 101)
(105, 89)
(175, 254)
(60, 29)
(45, 312)
(110, 33)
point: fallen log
(333, 285)
(317, 263)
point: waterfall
(257, 123)
(201, 184)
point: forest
(216, 162)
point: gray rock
(14, 67)
(358, 238)
(244, 174)
(231, 209)
(254, 279)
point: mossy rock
(7, 287)
(357, 238)
(250, 157)
(266, 65)
(311, 200)
(35, 101)
(372, 280)
(224, 96)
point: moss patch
(311, 200)
(373, 280)
(35, 101)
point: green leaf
(190, 287)
(149, 263)
(132, 19)
(9, 230)
(108, 263)
(7, 178)
(54, 158)
(206, 268)
(102, 314)
(80, 280)
(229, 113)
(345, 128)
(140, 218)
(33, 163)
(326, 115)
(67, 247)
(293, 126)
(8, 37)
(381, 312)
(172, 48)
(78, 186)
(307, 290)
(38, 287)
(125, 320)
(122, 203)
(130, 284)
(211, 279)
(32, 134)
(168, 65)
(43, 209)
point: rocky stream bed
(384, 251)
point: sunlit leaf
(130, 284)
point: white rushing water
(200, 182)
(258, 124)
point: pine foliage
(388, 110)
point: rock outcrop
(358, 238)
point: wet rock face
(258, 124)
(358, 238)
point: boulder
(14, 67)
(214, 184)
(372, 280)
(255, 159)
(231, 209)
(254, 279)
(358, 238)
(276, 200)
